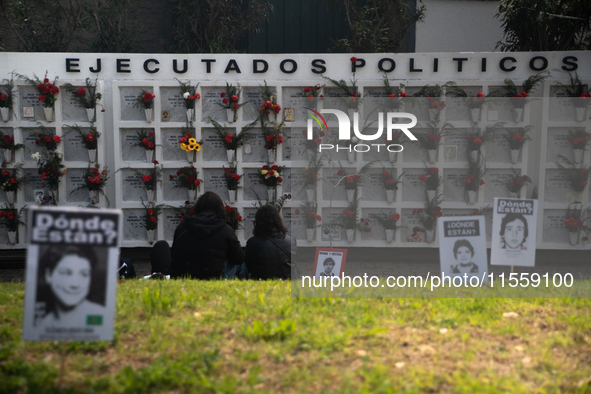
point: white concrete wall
(459, 26)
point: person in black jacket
(268, 253)
(202, 244)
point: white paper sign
(514, 232)
(71, 278)
(462, 246)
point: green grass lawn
(251, 336)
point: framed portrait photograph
(28, 112)
(71, 276)
(329, 262)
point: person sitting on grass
(268, 253)
(202, 245)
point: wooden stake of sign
(62, 364)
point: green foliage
(271, 330)
(545, 25)
(109, 26)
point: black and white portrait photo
(514, 232)
(462, 245)
(329, 262)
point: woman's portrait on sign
(71, 285)
(464, 255)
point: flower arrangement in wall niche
(233, 217)
(516, 139)
(390, 183)
(435, 99)
(429, 215)
(473, 101)
(47, 93)
(147, 140)
(231, 101)
(90, 138)
(145, 101)
(95, 181)
(351, 93)
(9, 147)
(150, 221)
(151, 179)
(190, 97)
(184, 211)
(232, 142)
(190, 145)
(45, 138)
(313, 95)
(269, 107)
(273, 137)
(270, 176)
(432, 181)
(518, 94)
(349, 219)
(575, 223)
(311, 178)
(395, 96)
(476, 140)
(312, 145)
(10, 181)
(431, 141)
(474, 179)
(51, 169)
(516, 183)
(88, 98)
(232, 180)
(187, 178)
(388, 222)
(577, 176)
(579, 94)
(11, 219)
(352, 181)
(579, 140)
(7, 90)
(310, 217)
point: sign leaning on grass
(71, 277)
(514, 232)
(462, 246)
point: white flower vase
(151, 236)
(150, 194)
(514, 156)
(148, 112)
(92, 155)
(350, 195)
(431, 194)
(271, 193)
(231, 115)
(190, 113)
(518, 114)
(580, 113)
(93, 195)
(432, 155)
(351, 112)
(310, 234)
(389, 235)
(149, 155)
(390, 196)
(475, 114)
(271, 155)
(578, 155)
(310, 194)
(12, 237)
(351, 157)
(434, 114)
(514, 194)
(7, 156)
(4, 112)
(471, 197)
(190, 155)
(192, 195)
(231, 196)
(574, 237)
(231, 155)
(391, 156)
(10, 197)
(350, 234)
(90, 114)
(474, 155)
(429, 235)
(272, 117)
(49, 114)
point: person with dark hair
(202, 244)
(328, 266)
(70, 286)
(514, 231)
(463, 253)
(268, 252)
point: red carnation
(42, 98)
(153, 219)
(225, 101)
(81, 92)
(279, 179)
(57, 138)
